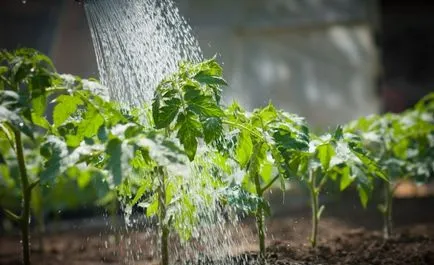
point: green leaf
(20, 70)
(83, 179)
(54, 150)
(364, 193)
(247, 184)
(268, 114)
(114, 164)
(287, 142)
(9, 99)
(66, 106)
(320, 211)
(205, 106)
(164, 115)
(212, 129)
(39, 83)
(325, 154)
(338, 135)
(139, 194)
(16, 121)
(244, 148)
(204, 78)
(73, 140)
(187, 133)
(38, 112)
(346, 178)
(90, 124)
(38, 105)
(102, 133)
(266, 171)
(152, 209)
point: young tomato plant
(25, 76)
(27, 80)
(402, 145)
(332, 157)
(258, 136)
(70, 191)
(185, 107)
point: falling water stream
(137, 44)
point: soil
(347, 236)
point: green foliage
(187, 103)
(339, 157)
(181, 156)
(51, 149)
(336, 156)
(260, 139)
(263, 139)
(401, 143)
(402, 146)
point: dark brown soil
(354, 247)
(347, 239)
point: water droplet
(21, 124)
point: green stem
(314, 192)
(33, 185)
(113, 208)
(387, 213)
(13, 217)
(241, 126)
(6, 81)
(25, 215)
(164, 245)
(260, 220)
(269, 184)
(164, 229)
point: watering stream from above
(137, 44)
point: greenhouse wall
(315, 58)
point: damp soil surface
(347, 236)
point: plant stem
(12, 216)
(26, 191)
(314, 192)
(164, 229)
(270, 183)
(387, 213)
(164, 245)
(260, 220)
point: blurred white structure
(315, 58)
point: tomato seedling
(258, 137)
(402, 145)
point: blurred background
(330, 61)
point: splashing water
(137, 44)
(215, 232)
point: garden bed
(347, 236)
